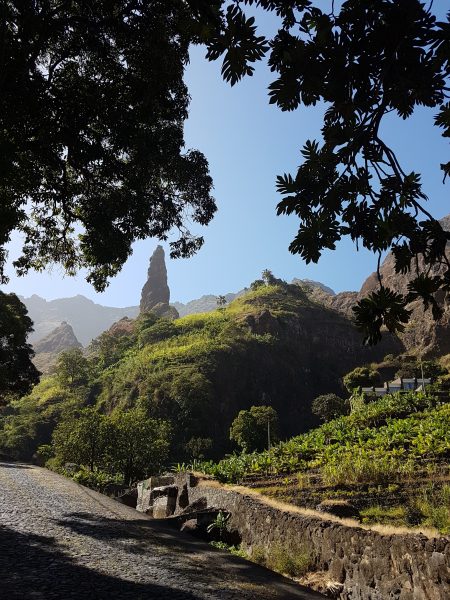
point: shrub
(294, 560)
(95, 479)
(329, 406)
(197, 447)
(365, 466)
(236, 550)
(258, 555)
(362, 377)
(250, 429)
(393, 515)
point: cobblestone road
(59, 540)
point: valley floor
(59, 540)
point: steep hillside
(270, 346)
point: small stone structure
(361, 564)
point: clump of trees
(253, 429)
(125, 443)
(414, 367)
(329, 406)
(362, 377)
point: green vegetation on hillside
(400, 438)
(271, 346)
(382, 439)
(196, 373)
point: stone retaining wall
(363, 564)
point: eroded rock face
(155, 291)
(61, 338)
(422, 333)
(123, 327)
(155, 294)
(48, 349)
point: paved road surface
(59, 540)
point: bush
(250, 429)
(329, 406)
(97, 480)
(362, 377)
(365, 467)
(127, 442)
(197, 447)
(293, 560)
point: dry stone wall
(361, 564)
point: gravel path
(59, 540)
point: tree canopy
(366, 60)
(92, 107)
(92, 153)
(329, 406)
(17, 372)
(251, 428)
(362, 377)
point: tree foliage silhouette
(92, 106)
(369, 59)
(17, 372)
(93, 103)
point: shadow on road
(143, 536)
(32, 566)
(13, 465)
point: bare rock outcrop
(155, 294)
(47, 350)
(61, 338)
(422, 334)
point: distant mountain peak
(61, 338)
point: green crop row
(383, 441)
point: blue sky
(248, 143)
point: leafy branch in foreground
(92, 107)
(368, 60)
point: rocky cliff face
(422, 334)
(155, 294)
(61, 338)
(47, 350)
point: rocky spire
(155, 294)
